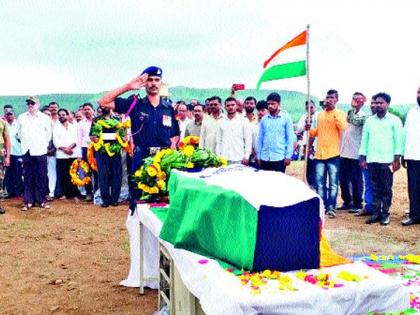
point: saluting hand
(138, 82)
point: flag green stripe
(211, 221)
(283, 71)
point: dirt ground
(69, 259)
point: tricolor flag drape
(286, 70)
(238, 216)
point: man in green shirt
(380, 152)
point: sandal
(45, 205)
(26, 207)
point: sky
(92, 46)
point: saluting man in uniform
(153, 124)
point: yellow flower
(189, 165)
(151, 171)
(157, 167)
(189, 150)
(103, 123)
(223, 161)
(161, 184)
(161, 175)
(127, 124)
(154, 190)
(137, 173)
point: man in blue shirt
(276, 136)
(153, 123)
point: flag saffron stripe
(297, 41)
(283, 71)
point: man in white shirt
(210, 124)
(234, 136)
(194, 127)
(262, 110)
(249, 105)
(300, 127)
(84, 141)
(34, 130)
(411, 160)
(13, 177)
(351, 178)
(65, 140)
(183, 120)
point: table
(219, 292)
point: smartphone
(321, 103)
(238, 86)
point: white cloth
(282, 191)
(412, 134)
(351, 138)
(300, 126)
(208, 132)
(52, 174)
(65, 137)
(151, 259)
(34, 133)
(183, 127)
(83, 132)
(255, 128)
(220, 292)
(15, 148)
(234, 138)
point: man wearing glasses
(34, 130)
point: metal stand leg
(141, 259)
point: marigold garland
(74, 173)
(111, 148)
(152, 178)
(91, 157)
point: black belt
(150, 150)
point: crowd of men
(358, 151)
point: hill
(292, 101)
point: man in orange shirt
(331, 122)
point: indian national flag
(250, 219)
(285, 70)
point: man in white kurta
(234, 135)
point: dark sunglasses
(9, 114)
(30, 103)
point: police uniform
(109, 168)
(151, 127)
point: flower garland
(90, 155)
(121, 132)
(77, 166)
(152, 178)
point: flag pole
(308, 85)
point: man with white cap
(34, 130)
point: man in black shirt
(153, 123)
